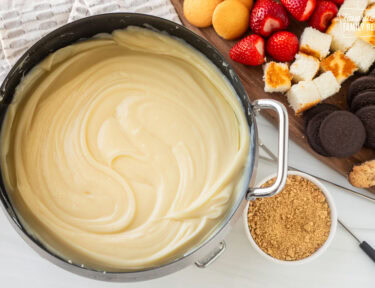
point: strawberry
(300, 9)
(282, 46)
(267, 17)
(249, 51)
(338, 2)
(325, 11)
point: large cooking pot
(213, 246)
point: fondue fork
(274, 159)
(362, 244)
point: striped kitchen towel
(23, 22)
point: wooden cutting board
(252, 80)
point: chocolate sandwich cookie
(363, 99)
(312, 132)
(359, 85)
(309, 114)
(342, 134)
(367, 116)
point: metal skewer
(350, 232)
(362, 244)
(273, 159)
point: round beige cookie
(199, 13)
(363, 175)
(247, 3)
(231, 19)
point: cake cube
(362, 54)
(304, 67)
(327, 85)
(340, 65)
(366, 31)
(370, 11)
(352, 10)
(343, 34)
(277, 77)
(303, 96)
(315, 43)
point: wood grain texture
(252, 79)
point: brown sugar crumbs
(293, 224)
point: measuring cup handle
(282, 161)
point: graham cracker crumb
(293, 224)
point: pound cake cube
(366, 31)
(340, 65)
(353, 10)
(277, 77)
(370, 11)
(304, 67)
(315, 43)
(327, 85)
(303, 96)
(362, 54)
(343, 34)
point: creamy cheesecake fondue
(124, 151)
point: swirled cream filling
(124, 151)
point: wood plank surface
(252, 79)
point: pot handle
(282, 161)
(212, 257)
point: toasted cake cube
(327, 85)
(371, 2)
(343, 34)
(362, 54)
(353, 10)
(304, 67)
(370, 11)
(303, 96)
(315, 43)
(366, 31)
(277, 77)
(340, 65)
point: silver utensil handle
(282, 161)
(212, 257)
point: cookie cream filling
(124, 151)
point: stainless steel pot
(213, 246)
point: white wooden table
(343, 265)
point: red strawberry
(249, 50)
(282, 46)
(300, 9)
(325, 11)
(338, 2)
(267, 17)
